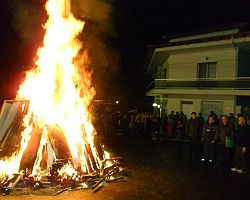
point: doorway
(187, 107)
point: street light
(155, 105)
(117, 102)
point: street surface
(155, 170)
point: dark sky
(137, 23)
(144, 22)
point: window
(208, 106)
(206, 70)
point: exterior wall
(184, 65)
(174, 102)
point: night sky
(146, 22)
(136, 23)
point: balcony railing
(239, 84)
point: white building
(201, 72)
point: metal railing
(239, 83)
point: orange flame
(58, 94)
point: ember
(46, 134)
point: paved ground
(156, 171)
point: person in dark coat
(232, 119)
(194, 134)
(214, 115)
(170, 125)
(243, 146)
(208, 137)
(225, 136)
(180, 131)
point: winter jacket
(225, 131)
(194, 129)
(180, 124)
(243, 136)
(209, 133)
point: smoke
(22, 35)
(98, 32)
(27, 19)
(98, 11)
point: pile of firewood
(60, 184)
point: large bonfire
(57, 125)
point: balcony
(238, 86)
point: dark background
(134, 24)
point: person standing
(164, 121)
(148, 125)
(243, 146)
(132, 125)
(201, 118)
(194, 134)
(214, 115)
(170, 126)
(208, 136)
(180, 131)
(225, 136)
(232, 119)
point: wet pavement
(159, 171)
(155, 170)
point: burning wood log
(59, 143)
(88, 161)
(102, 179)
(11, 184)
(91, 157)
(101, 185)
(29, 156)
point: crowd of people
(233, 137)
(201, 136)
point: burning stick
(115, 179)
(102, 179)
(61, 191)
(112, 159)
(102, 184)
(115, 165)
(12, 183)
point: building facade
(201, 72)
